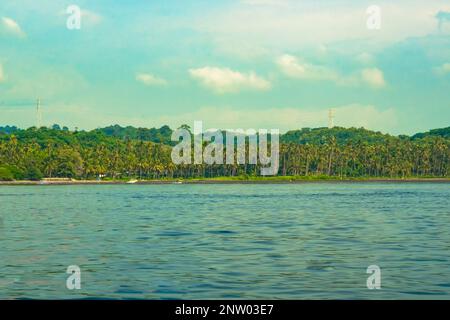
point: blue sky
(233, 64)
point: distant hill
(443, 132)
(315, 136)
(44, 136)
(342, 135)
(130, 153)
(106, 135)
(8, 129)
(161, 135)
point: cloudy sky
(231, 63)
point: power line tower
(38, 113)
(26, 103)
(330, 118)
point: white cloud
(443, 17)
(299, 69)
(373, 77)
(224, 80)
(90, 17)
(2, 74)
(150, 80)
(296, 25)
(443, 69)
(294, 68)
(365, 58)
(12, 27)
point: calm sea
(294, 241)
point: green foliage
(123, 153)
(8, 130)
(443, 132)
(17, 173)
(33, 173)
(161, 135)
(342, 136)
(5, 174)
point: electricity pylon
(330, 118)
(38, 113)
(26, 103)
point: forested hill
(107, 135)
(8, 129)
(342, 135)
(345, 135)
(443, 132)
(315, 136)
(126, 153)
(161, 135)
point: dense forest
(126, 152)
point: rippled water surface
(296, 241)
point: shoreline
(283, 180)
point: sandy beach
(222, 181)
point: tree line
(33, 154)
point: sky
(232, 64)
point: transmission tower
(38, 113)
(26, 103)
(330, 118)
